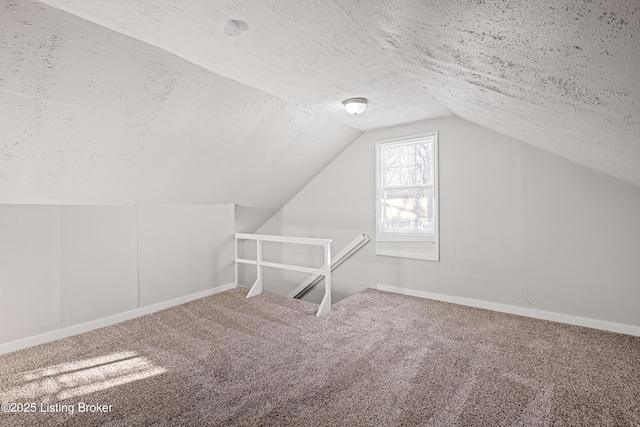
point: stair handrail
(338, 259)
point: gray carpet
(377, 359)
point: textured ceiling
(562, 75)
(309, 53)
(149, 101)
(92, 116)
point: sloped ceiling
(562, 75)
(93, 116)
(113, 101)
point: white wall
(98, 248)
(62, 266)
(518, 227)
(184, 249)
(29, 270)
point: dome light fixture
(355, 106)
(234, 28)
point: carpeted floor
(377, 359)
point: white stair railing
(325, 270)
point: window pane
(391, 159)
(408, 165)
(391, 156)
(408, 209)
(392, 177)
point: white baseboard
(521, 311)
(108, 321)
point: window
(407, 197)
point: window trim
(418, 245)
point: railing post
(256, 289)
(325, 305)
(235, 248)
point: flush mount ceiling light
(234, 28)
(355, 105)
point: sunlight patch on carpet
(81, 377)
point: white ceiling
(311, 54)
(149, 101)
(562, 75)
(92, 116)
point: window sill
(428, 251)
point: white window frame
(417, 245)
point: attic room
(146, 145)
